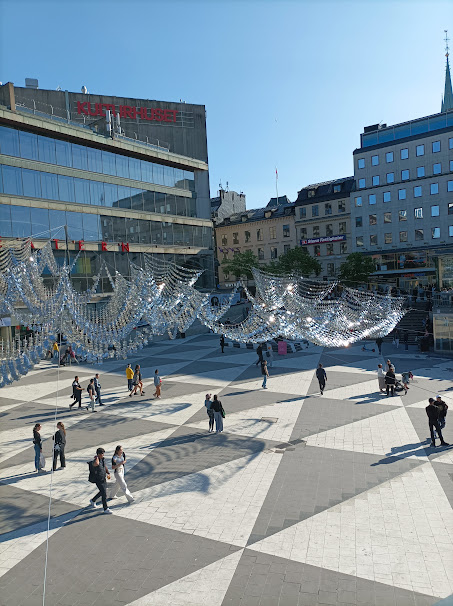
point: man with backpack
(99, 474)
(433, 419)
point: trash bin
(282, 348)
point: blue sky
(286, 84)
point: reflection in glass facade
(415, 127)
(22, 144)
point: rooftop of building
(260, 214)
(326, 190)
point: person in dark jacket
(390, 381)
(37, 443)
(76, 393)
(321, 375)
(101, 474)
(259, 353)
(59, 446)
(443, 409)
(433, 419)
(379, 342)
(217, 407)
(222, 342)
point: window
(418, 213)
(436, 146)
(329, 229)
(419, 234)
(387, 217)
(373, 219)
(435, 233)
(404, 175)
(235, 238)
(374, 160)
(402, 215)
(361, 183)
(376, 180)
(248, 236)
(372, 199)
(260, 254)
(450, 143)
(31, 183)
(329, 249)
(389, 157)
(387, 196)
(451, 165)
(343, 248)
(331, 269)
(358, 201)
(337, 188)
(361, 163)
(28, 146)
(224, 240)
(273, 252)
(373, 240)
(450, 208)
(286, 248)
(358, 221)
(387, 238)
(272, 233)
(341, 206)
(401, 194)
(259, 235)
(420, 150)
(449, 185)
(420, 171)
(317, 250)
(302, 212)
(437, 168)
(390, 177)
(303, 233)
(434, 211)
(417, 191)
(359, 241)
(342, 227)
(404, 154)
(315, 231)
(286, 231)
(434, 188)
(450, 227)
(314, 210)
(403, 236)
(327, 208)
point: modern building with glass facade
(100, 167)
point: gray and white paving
(302, 500)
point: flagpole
(276, 183)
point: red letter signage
(104, 246)
(124, 247)
(56, 243)
(81, 245)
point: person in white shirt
(118, 462)
(381, 377)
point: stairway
(413, 322)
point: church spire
(447, 101)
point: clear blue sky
(286, 84)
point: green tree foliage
(241, 264)
(356, 269)
(295, 260)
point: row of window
(22, 144)
(404, 153)
(405, 175)
(23, 221)
(408, 129)
(48, 186)
(260, 252)
(259, 235)
(402, 215)
(342, 229)
(419, 234)
(328, 208)
(329, 249)
(402, 193)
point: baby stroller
(405, 378)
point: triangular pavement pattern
(345, 538)
(296, 383)
(218, 377)
(419, 421)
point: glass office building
(117, 196)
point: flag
(276, 173)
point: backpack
(91, 473)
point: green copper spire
(447, 101)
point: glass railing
(408, 129)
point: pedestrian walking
(210, 412)
(157, 384)
(433, 420)
(129, 376)
(222, 342)
(37, 443)
(97, 389)
(269, 355)
(265, 373)
(118, 463)
(443, 409)
(59, 444)
(321, 375)
(99, 474)
(72, 356)
(259, 353)
(379, 342)
(56, 352)
(219, 414)
(396, 338)
(406, 339)
(76, 393)
(390, 381)
(137, 382)
(91, 392)
(381, 377)
(406, 376)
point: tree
(295, 260)
(241, 264)
(356, 269)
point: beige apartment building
(268, 232)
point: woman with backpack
(59, 446)
(118, 463)
(219, 414)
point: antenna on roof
(227, 187)
(447, 39)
